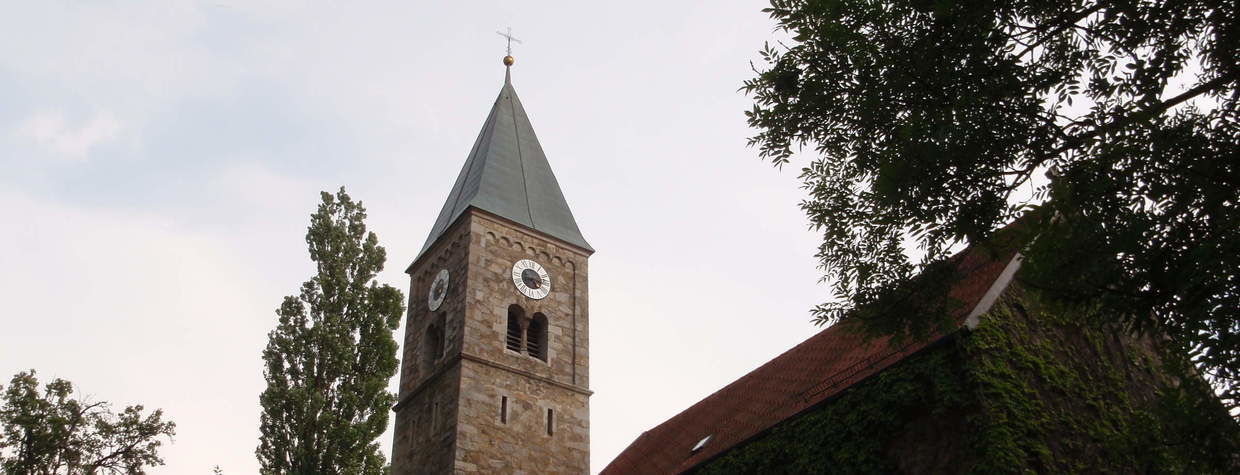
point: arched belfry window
(513, 339)
(536, 337)
(526, 334)
(433, 345)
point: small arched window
(513, 339)
(434, 343)
(536, 337)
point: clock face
(531, 279)
(439, 290)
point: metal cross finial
(510, 39)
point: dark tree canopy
(1107, 128)
(329, 360)
(53, 432)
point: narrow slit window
(413, 425)
(550, 421)
(503, 409)
(434, 417)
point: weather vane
(508, 60)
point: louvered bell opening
(514, 334)
(534, 347)
(536, 337)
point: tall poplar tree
(330, 357)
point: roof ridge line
(516, 133)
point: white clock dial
(439, 290)
(531, 279)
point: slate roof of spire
(507, 174)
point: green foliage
(852, 434)
(1062, 392)
(936, 122)
(329, 360)
(1036, 388)
(52, 432)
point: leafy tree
(330, 357)
(51, 431)
(1107, 128)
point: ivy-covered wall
(1036, 388)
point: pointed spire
(507, 174)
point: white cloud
(133, 309)
(58, 136)
(193, 257)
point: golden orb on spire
(508, 60)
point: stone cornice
(403, 400)
(400, 402)
(515, 370)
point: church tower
(494, 377)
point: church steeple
(495, 367)
(507, 174)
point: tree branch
(1070, 23)
(1130, 119)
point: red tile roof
(809, 373)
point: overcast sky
(159, 161)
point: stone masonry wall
(448, 419)
(425, 438)
(452, 255)
(425, 432)
(490, 371)
(521, 444)
(493, 248)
